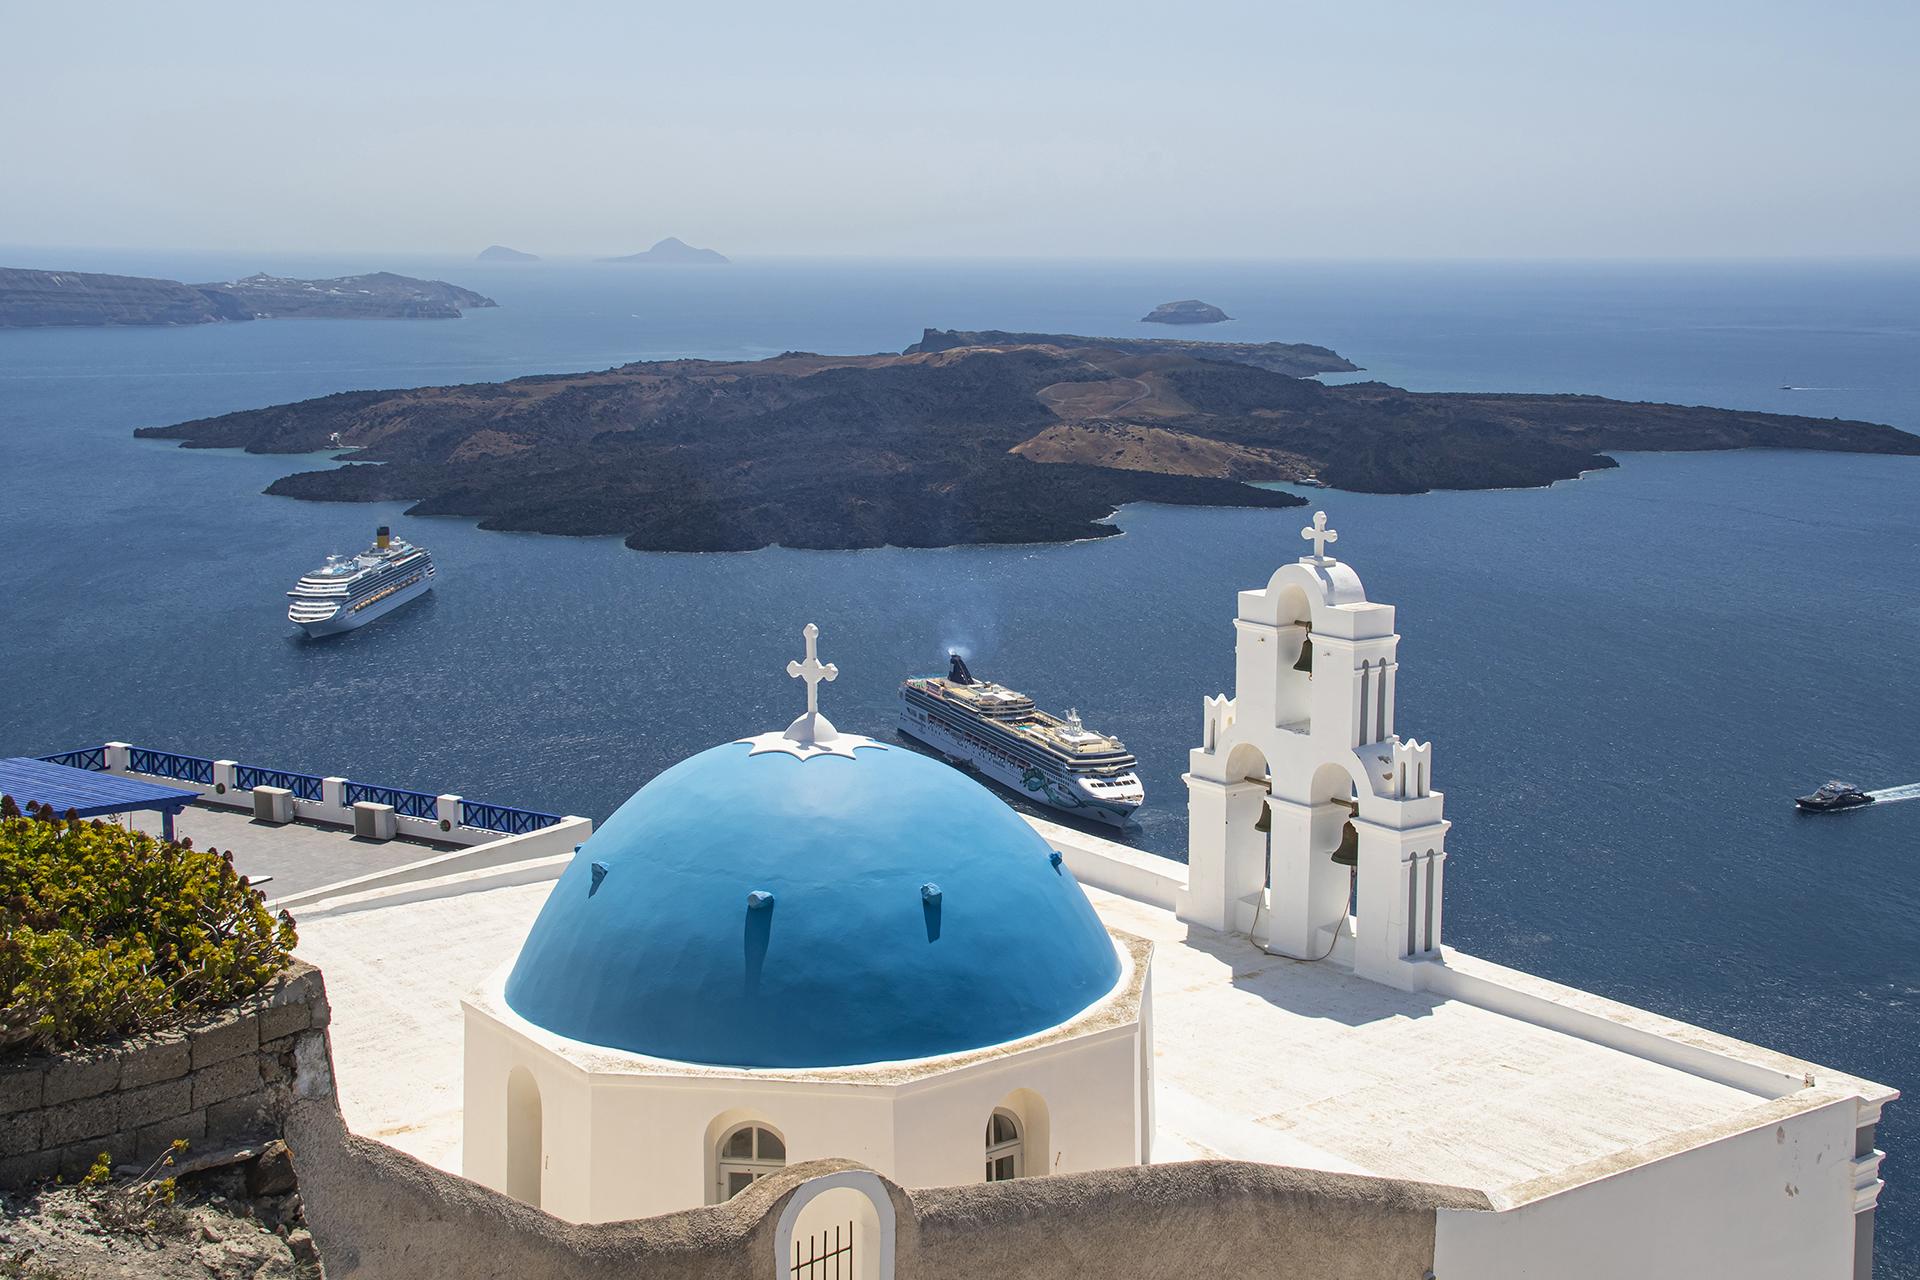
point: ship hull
(1026, 778)
(1810, 804)
(347, 619)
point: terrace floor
(297, 855)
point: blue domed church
(801, 945)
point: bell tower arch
(1345, 813)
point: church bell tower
(1311, 824)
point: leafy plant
(105, 931)
(145, 1203)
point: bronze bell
(1265, 821)
(1348, 854)
(1305, 661)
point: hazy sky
(1180, 128)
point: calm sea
(1626, 677)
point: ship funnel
(382, 537)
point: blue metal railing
(408, 804)
(305, 786)
(499, 817)
(85, 758)
(165, 764)
(308, 787)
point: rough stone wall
(1200, 1217)
(224, 1080)
(378, 1212)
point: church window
(1004, 1146)
(748, 1153)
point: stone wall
(221, 1081)
(377, 1212)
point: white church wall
(492, 1054)
(655, 1140)
(1078, 1102)
(620, 1141)
(1772, 1203)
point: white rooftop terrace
(1257, 1057)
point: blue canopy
(87, 793)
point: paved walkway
(297, 856)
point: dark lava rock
(271, 1172)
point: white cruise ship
(1050, 760)
(351, 591)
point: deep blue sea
(1626, 676)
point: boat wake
(1909, 792)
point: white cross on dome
(813, 671)
(812, 734)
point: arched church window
(1006, 1154)
(748, 1153)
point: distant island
(672, 250)
(994, 443)
(1295, 359)
(500, 253)
(35, 299)
(1188, 311)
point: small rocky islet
(1186, 311)
(674, 251)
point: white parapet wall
(1767, 1196)
(1144, 877)
(528, 859)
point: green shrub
(105, 931)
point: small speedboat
(1831, 796)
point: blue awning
(88, 793)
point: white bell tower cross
(1302, 800)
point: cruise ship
(1048, 759)
(351, 591)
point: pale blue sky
(1194, 128)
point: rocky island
(500, 253)
(672, 251)
(1004, 442)
(1187, 311)
(35, 299)
(1295, 359)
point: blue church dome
(752, 908)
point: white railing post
(117, 754)
(333, 794)
(223, 776)
(450, 811)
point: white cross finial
(1319, 535)
(812, 727)
(812, 735)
